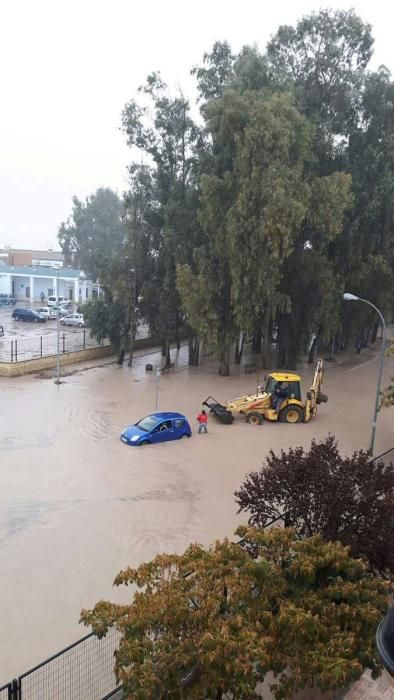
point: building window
(87, 293)
(27, 291)
(50, 292)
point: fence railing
(5, 692)
(81, 671)
(36, 346)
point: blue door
(163, 432)
(179, 428)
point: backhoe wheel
(254, 418)
(291, 414)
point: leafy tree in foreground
(211, 622)
(349, 499)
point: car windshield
(147, 423)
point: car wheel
(62, 323)
(80, 325)
(254, 418)
(36, 320)
(291, 414)
(144, 443)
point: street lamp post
(132, 315)
(158, 374)
(352, 297)
(57, 380)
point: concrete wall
(16, 369)
(46, 285)
(20, 284)
(22, 258)
(5, 284)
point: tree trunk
(314, 346)
(219, 693)
(131, 348)
(166, 354)
(239, 348)
(224, 363)
(267, 332)
(256, 345)
(121, 357)
(287, 354)
(194, 350)
(374, 333)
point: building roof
(44, 254)
(41, 271)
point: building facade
(21, 257)
(31, 284)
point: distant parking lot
(25, 341)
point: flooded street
(77, 505)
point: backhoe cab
(278, 400)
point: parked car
(62, 311)
(27, 315)
(66, 303)
(73, 320)
(7, 300)
(158, 427)
(47, 312)
(53, 300)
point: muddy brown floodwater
(77, 505)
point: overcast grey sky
(69, 66)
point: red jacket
(202, 418)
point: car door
(163, 432)
(179, 428)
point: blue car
(158, 427)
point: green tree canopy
(216, 621)
(94, 232)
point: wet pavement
(77, 505)
(40, 339)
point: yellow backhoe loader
(278, 400)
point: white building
(27, 283)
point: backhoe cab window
(270, 385)
(291, 389)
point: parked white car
(73, 320)
(47, 312)
(52, 300)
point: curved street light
(352, 297)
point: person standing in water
(202, 420)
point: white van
(52, 300)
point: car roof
(167, 414)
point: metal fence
(5, 692)
(29, 348)
(81, 671)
